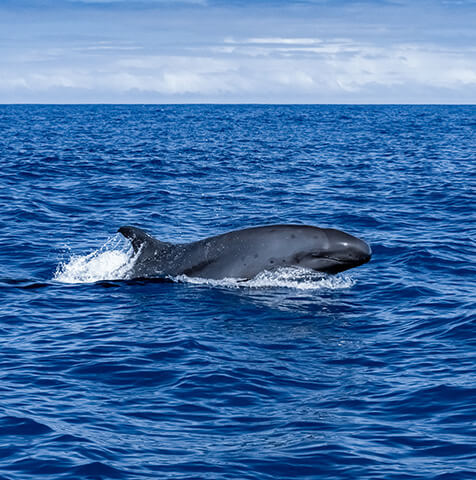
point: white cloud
(283, 41)
(306, 68)
(406, 65)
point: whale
(243, 254)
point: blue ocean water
(369, 374)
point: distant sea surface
(369, 374)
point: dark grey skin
(245, 253)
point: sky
(216, 51)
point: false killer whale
(245, 253)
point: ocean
(368, 374)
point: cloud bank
(202, 53)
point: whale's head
(333, 251)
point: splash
(112, 261)
(292, 277)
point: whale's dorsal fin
(138, 237)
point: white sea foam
(295, 278)
(112, 261)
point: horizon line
(239, 103)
